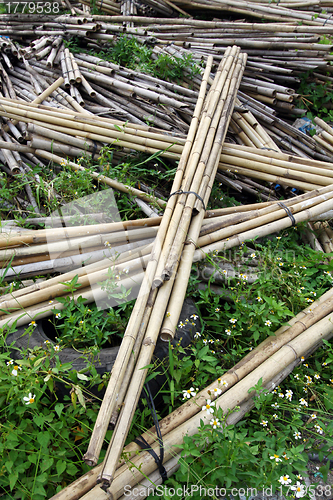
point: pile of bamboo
(272, 361)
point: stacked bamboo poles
(252, 164)
(213, 229)
(215, 117)
(263, 11)
(304, 332)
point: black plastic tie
(146, 446)
(290, 215)
(180, 191)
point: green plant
(46, 420)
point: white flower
(33, 323)
(233, 320)
(259, 299)
(281, 395)
(56, 348)
(15, 370)
(194, 316)
(297, 435)
(303, 402)
(296, 376)
(10, 362)
(106, 243)
(224, 383)
(264, 423)
(289, 394)
(63, 162)
(197, 335)
(276, 458)
(317, 376)
(299, 490)
(313, 415)
(30, 399)
(285, 479)
(188, 393)
(299, 477)
(208, 408)
(125, 270)
(319, 429)
(268, 323)
(275, 416)
(227, 331)
(215, 423)
(217, 309)
(275, 405)
(253, 255)
(58, 315)
(217, 391)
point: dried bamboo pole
(60, 233)
(89, 279)
(110, 400)
(65, 264)
(110, 256)
(45, 309)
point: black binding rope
(270, 149)
(180, 191)
(290, 215)
(146, 446)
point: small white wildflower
(233, 320)
(208, 408)
(227, 331)
(268, 323)
(276, 458)
(215, 423)
(297, 435)
(289, 394)
(285, 479)
(217, 391)
(188, 393)
(29, 399)
(299, 490)
(15, 370)
(264, 423)
(303, 402)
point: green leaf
(61, 466)
(58, 408)
(13, 477)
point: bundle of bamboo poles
(197, 167)
(272, 361)
(261, 10)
